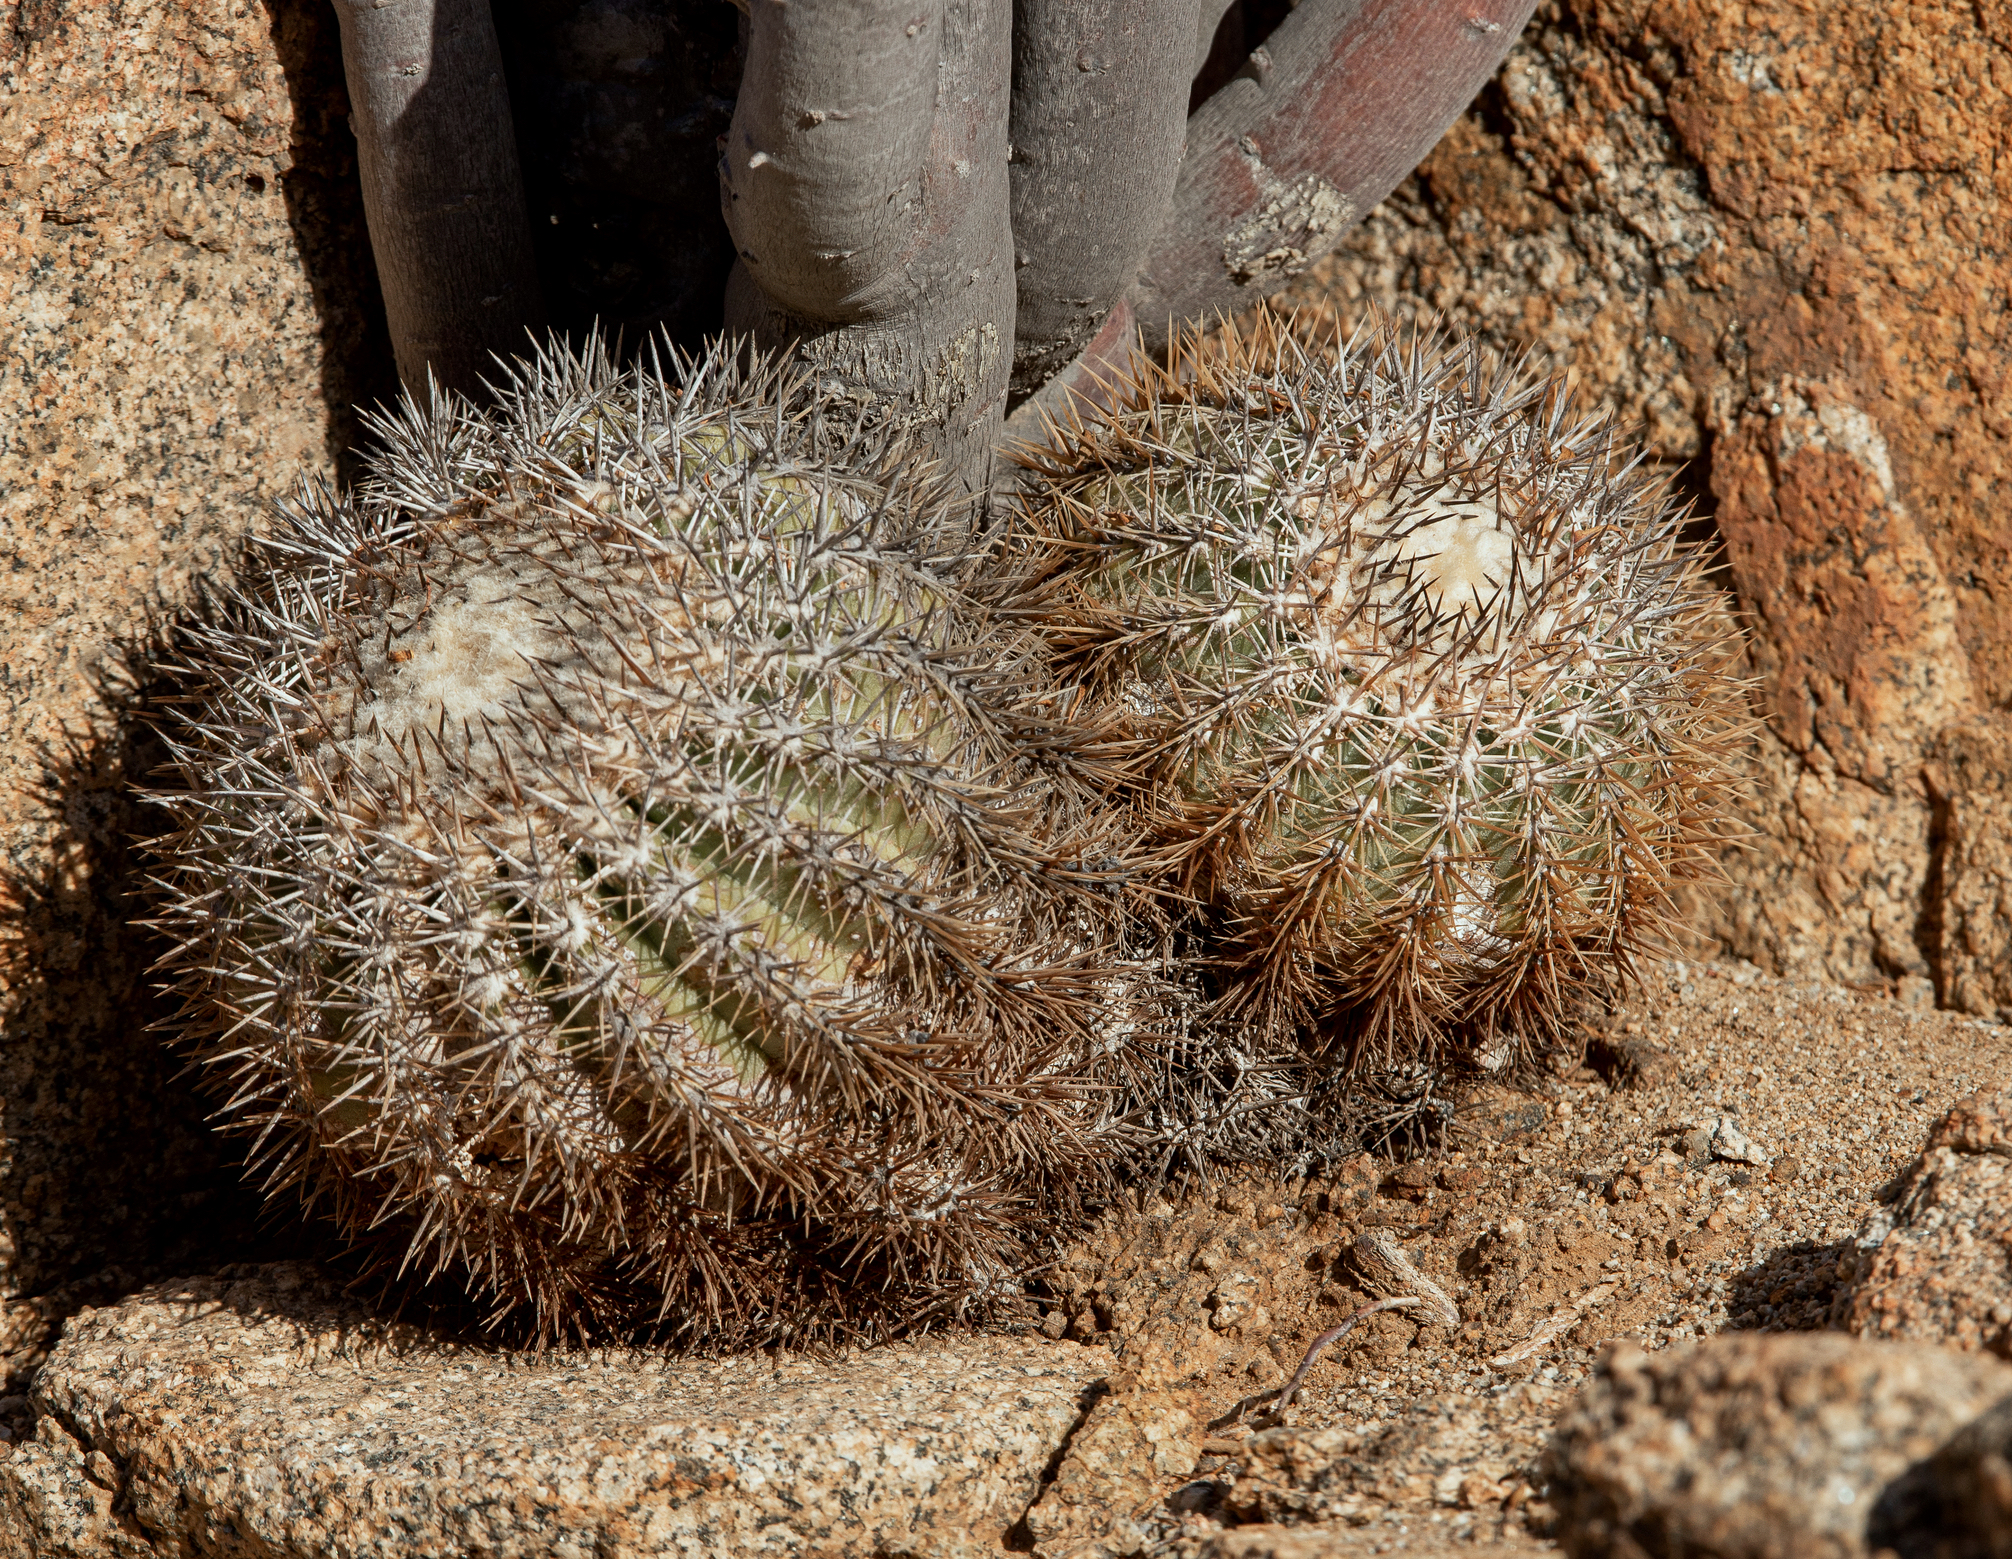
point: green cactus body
(611, 855)
(1435, 699)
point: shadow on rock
(1956, 1504)
(1757, 1447)
(1794, 1288)
(113, 1177)
(324, 207)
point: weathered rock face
(1775, 235)
(188, 304)
(1111, 1475)
(1943, 1271)
(253, 1416)
(1972, 781)
(1442, 1452)
(1970, 1479)
(1790, 1447)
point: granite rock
(1283, 1542)
(1439, 1453)
(189, 313)
(1773, 235)
(1769, 1447)
(188, 299)
(1131, 1446)
(1970, 1479)
(256, 1415)
(1275, 1542)
(1971, 781)
(1942, 1272)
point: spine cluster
(613, 855)
(1431, 700)
(636, 856)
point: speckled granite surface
(255, 1416)
(186, 316)
(1943, 1271)
(1752, 1447)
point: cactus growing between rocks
(609, 862)
(1436, 701)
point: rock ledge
(256, 1416)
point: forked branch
(884, 239)
(1341, 102)
(865, 183)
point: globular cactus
(1433, 698)
(614, 861)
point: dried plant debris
(617, 869)
(1434, 705)
(1560, 1214)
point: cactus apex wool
(615, 868)
(1434, 703)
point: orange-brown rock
(1938, 1268)
(1775, 235)
(185, 288)
(1972, 782)
(1752, 1447)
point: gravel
(1730, 1158)
(1727, 1160)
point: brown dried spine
(1436, 704)
(609, 860)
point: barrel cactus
(1433, 701)
(614, 862)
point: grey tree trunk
(882, 238)
(1337, 106)
(441, 189)
(865, 184)
(1100, 110)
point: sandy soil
(1711, 1169)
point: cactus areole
(654, 856)
(1434, 699)
(612, 864)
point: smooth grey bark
(826, 156)
(1342, 101)
(1100, 111)
(866, 185)
(864, 180)
(441, 188)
